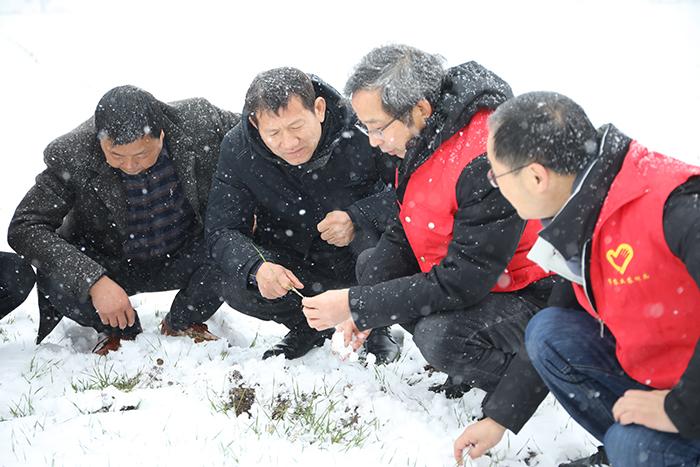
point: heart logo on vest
(621, 257)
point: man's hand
(275, 281)
(112, 303)
(644, 408)
(336, 228)
(326, 310)
(479, 437)
(349, 331)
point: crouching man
(119, 210)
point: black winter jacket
(287, 202)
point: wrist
(253, 274)
(97, 285)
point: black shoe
(382, 344)
(451, 389)
(298, 342)
(597, 459)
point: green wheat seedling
(24, 407)
(104, 375)
(38, 369)
(321, 417)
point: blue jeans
(581, 370)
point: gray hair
(404, 75)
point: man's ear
(423, 109)
(320, 108)
(420, 113)
(253, 122)
(540, 176)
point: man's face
(534, 191)
(135, 157)
(390, 134)
(294, 133)
(511, 186)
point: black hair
(543, 127)
(127, 113)
(271, 91)
(404, 75)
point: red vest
(642, 291)
(430, 202)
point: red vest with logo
(642, 291)
(430, 202)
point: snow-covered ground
(167, 401)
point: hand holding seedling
(275, 281)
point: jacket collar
(181, 149)
(560, 245)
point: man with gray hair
(453, 269)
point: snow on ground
(175, 403)
(167, 401)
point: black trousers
(190, 270)
(475, 345)
(16, 281)
(286, 310)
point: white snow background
(166, 401)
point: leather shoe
(199, 332)
(110, 344)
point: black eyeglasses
(376, 132)
(493, 178)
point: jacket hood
(466, 89)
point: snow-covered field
(167, 401)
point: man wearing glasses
(453, 269)
(297, 195)
(619, 346)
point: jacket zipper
(584, 259)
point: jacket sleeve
(391, 258)
(33, 230)
(230, 215)
(375, 212)
(485, 235)
(682, 231)
(521, 390)
(517, 395)
(213, 118)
